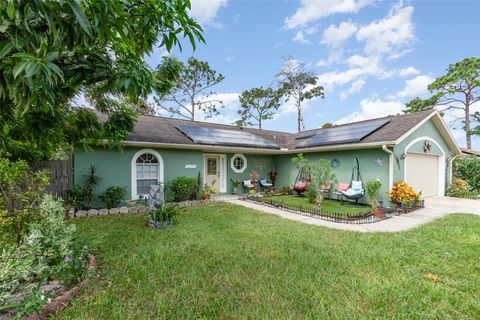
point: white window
(238, 163)
(147, 170)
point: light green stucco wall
(366, 157)
(263, 164)
(114, 167)
(428, 129)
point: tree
(298, 85)
(327, 125)
(189, 92)
(52, 51)
(256, 105)
(321, 173)
(458, 89)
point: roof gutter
(213, 148)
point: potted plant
(235, 185)
(254, 176)
(207, 191)
(372, 189)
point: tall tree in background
(257, 105)
(458, 89)
(191, 92)
(51, 51)
(298, 85)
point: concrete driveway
(435, 207)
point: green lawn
(327, 204)
(228, 262)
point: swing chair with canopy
(355, 189)
(301, 182)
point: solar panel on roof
(223, 137)
(341, 134)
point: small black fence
(315, 212)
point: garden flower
(67, 259)
(80, 258)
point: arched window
(147, 170)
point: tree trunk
(301, 123)
(468, 135)
(193, 110)
(260, 124)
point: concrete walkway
(435, 207)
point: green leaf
(11, 9)
(19, 67)
(81, 17)
(6, 48)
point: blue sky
(371, 56)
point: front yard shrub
(47, 243)
(460, 189)
(372, 189)
(403, 193)
(89, 185)
(311, 194)
(468, 169)
(20, 196)
(163, 215)
(112, 196)
(76, 197)
(183, 188)
(321, 172)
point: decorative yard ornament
(378, 162)
(427, 146)
(155, 197)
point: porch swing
(355, 189)
(301, 182)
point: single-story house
(415, 147)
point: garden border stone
(60, 301)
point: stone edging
(104, 212)
(60, 301)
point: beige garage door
(422, 173)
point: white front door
(212, 172)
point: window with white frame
(147, 168)
(238, 163)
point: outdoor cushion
(352, 193)
(248, 184)
(343, 187)
(357, 185)
(326, 187)
(265, 183)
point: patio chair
(265, 183)
(342, 186)
(248, 185)
(355, 189)
(326, 189)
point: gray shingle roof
(163, 130)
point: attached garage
(422, 172)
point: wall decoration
(335, 163)
(378, 162)
(427, 146)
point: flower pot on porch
(206, 196)
(379, 212)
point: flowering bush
(254, 175)
(460, 189)
(402, 193)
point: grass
(229, 262)
(328, 205)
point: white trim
(442, 126)
(390, 166)
(232, 164)
(223, 170)
(441, 164)
(133, 169)
(223, 149)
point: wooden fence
(60, 176)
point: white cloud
(334, 36)
(354, 88)
(300, 38)
(314, 10)
(373, 108)
(409, 71)
(416, 86)
(205, 11)
(389, 34)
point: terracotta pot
(378, 212)
(206, 196)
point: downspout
(390, 166)
(450, 168)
